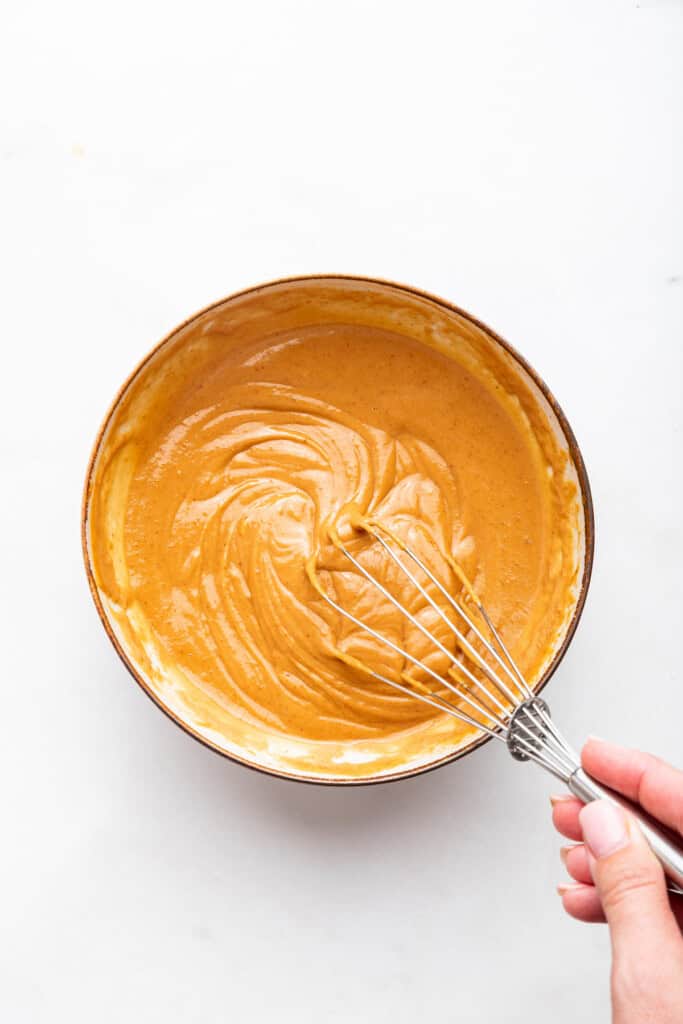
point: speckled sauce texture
(258, 433)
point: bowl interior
(289, 306)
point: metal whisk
(491, 695)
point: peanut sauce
(263, 429)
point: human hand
(618, 879)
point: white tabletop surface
(524, 160)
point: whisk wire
(529, 735)
(415, 622)
(451, 625)
(566, 754)
(515, 675)
(427, 698)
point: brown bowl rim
(586, 501)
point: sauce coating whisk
(490, 694)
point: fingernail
(569, 887)
(604, 828)
(598, 739)
(558, 798)
(564, 853)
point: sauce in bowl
(260, 428)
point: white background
(525, 160)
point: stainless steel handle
(669, 854)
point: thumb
(631, 886)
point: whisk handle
(665, 849)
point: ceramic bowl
(355, 300)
